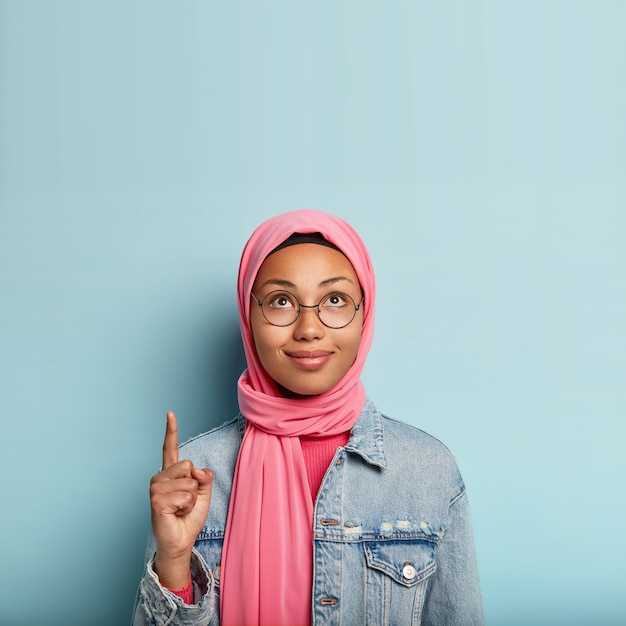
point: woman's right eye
(281, 301)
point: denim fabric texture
(392, 537)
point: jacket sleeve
(157, 606)
(453, 596)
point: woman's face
(306, 358)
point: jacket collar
(366, 437)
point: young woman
(311, 507)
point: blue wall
(480, 149)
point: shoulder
(396, 429)
(410, 449)
(375, 424)
(218, 446)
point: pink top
(318, 452)
(185, 594)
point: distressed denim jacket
(392, 539)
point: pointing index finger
(170, 443)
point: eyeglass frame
(309, 306)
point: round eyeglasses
(282, 308)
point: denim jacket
(392, 539)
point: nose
(308, 326)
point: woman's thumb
(204, 477)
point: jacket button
(159, 605)
(408, 571)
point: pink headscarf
(267, 556)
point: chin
(302, 391)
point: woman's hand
(180, 495)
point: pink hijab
(267, 564)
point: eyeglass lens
(335, 310)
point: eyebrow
(335, 279)
(287, 284)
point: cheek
(351, 344)
(267, 340)
(258, 337)
(356, 342)
(358, 331)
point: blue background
(480, 150)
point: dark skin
(180, 495)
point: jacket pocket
(397, 578)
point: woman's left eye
(336, 299)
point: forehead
(305, 263)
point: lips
(309, 359)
